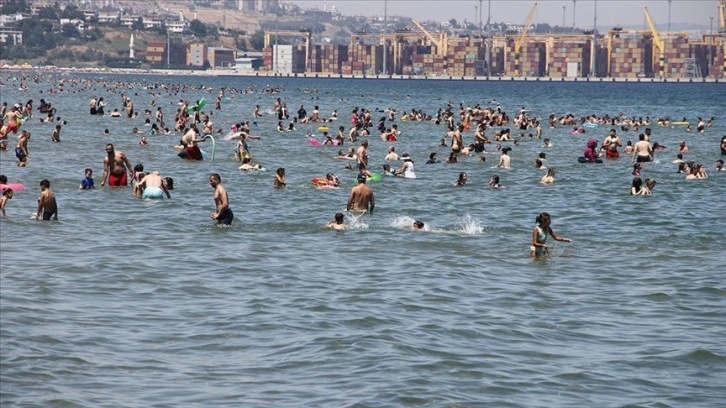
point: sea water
(127, 302)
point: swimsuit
(225, 218)
(153, 192)
(118, 180)
(47, 215)
(541, 239)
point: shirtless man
(21, 149)
(116, 168)
(46, 202)
(505, 161)
(12, 119)
(611, 144)
(222, 214)
(362, 156)
(189, 140)
(361, 197)
(642, 150)
(456, 141)
(129, 108)
(153, 186)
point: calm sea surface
(132, 303)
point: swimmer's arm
(106, 165)
(552, 234)
(372, 204)
(350, 202)
(2, 208)
(41, 201)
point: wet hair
(3, 179)
(45, 183)
(418, 224)
(169, 183)
(542, 217)
(216, 177)
(7, 191)
(139, 167)
(339, 217)
(88, 170)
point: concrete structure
(156, 52)
(11, 37)
(196, 55)
(220, 57)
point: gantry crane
(441, 44)
(281, 33)
(658, 42)
(519, 41)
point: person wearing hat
(407, 169)
(361, 196)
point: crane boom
(658, 42)
(520, 40)
(722, 16)
(656, 37)
(439, 47)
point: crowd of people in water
(489, 129)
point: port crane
(658, 42)
(298, 34)
(722, 16)
(441, 44)
(521, 39)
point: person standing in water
(539, 236)
(222, 214)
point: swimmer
(494, 182)
(719, 165)
(222, 214)
(87, 181)
(461, 180)
(47, 206)
(418, 225)
(548, 178)
(153, 186)
(539, 236)
(361, 197)
(279, 178)
(505, 161)
(337, 222)
(7, 194)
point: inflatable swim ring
(681, 123)
(591, 125)
(581, 159)
(373, 177)
(322, 129)
(314, 142)
(13, 186)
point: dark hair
(88, 170)
(3, 179)
(45, 183)
(139, 167)
(542, 217)
(339, 217)
(216, 176)
(418, 224)
(169, 183)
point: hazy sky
(610, 13)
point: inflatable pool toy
(314, 142)
(577, 131)
(200, 105)
(581, 159)
(322, 129)
(373, 177)
(13, 186)
(682, 123)
(591, 125)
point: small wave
(704, 356)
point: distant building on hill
(258, 5)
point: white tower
(131, 47)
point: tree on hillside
(15, 6)
(69, 30)
(72, 12)
(257, 40)
(48, 13)
(138, 25)
(198, 28)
